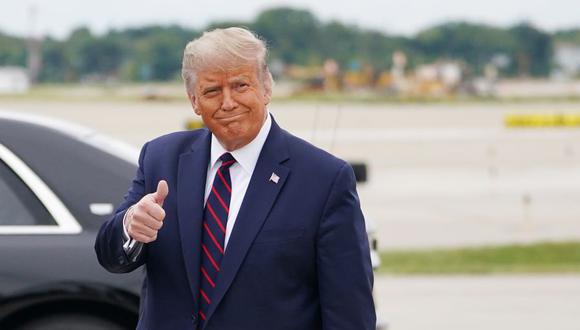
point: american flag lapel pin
(274, 178)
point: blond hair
(225, 49)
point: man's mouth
(232, 117)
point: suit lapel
(258, 200)
(191, 177)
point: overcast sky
(58, 17)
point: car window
(18, 204)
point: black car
(58, 183)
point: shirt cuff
(128, 242)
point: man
(241, 225)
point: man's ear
(267, 96)
(267, 91)
(193, 101)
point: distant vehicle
(58, 183)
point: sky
(403, 17)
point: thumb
(161, 193)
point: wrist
(127, 218)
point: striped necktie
(214, 232)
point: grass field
(509, 259)
(175, 92)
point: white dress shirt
(240, 173)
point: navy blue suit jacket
(298, 256)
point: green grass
(377, 98)
(174, 92)
(155, 92)
(535, 258)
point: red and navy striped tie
(214, 232)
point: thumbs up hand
(161, 193)
(146, 217)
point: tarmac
(479, 302)
(439, 176)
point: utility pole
(34, 47)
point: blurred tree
(12, 51)
(569, 36)
(377, 49)
(533, 52)
(338, 41)
(347, 43)
(55, 64)
(292, 34)
(75, 49)
(226, 24)
(154, 53)
(90, 55)
(473, 43)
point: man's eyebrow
(239, 78)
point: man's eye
(210, 91)
(243, 86)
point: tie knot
(227, 160)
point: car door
(41, 242)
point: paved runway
(440, 175)
(479, 302)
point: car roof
(81, 166)
(82, 133)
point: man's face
(232, 104)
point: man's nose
(229, 103)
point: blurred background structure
(452, 58)
(468, 122)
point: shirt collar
(246, 156)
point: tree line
(294, 36)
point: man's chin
(232, 138)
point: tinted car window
(18, 204)
(78, 173)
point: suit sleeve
(109, 241)
(345, 274)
